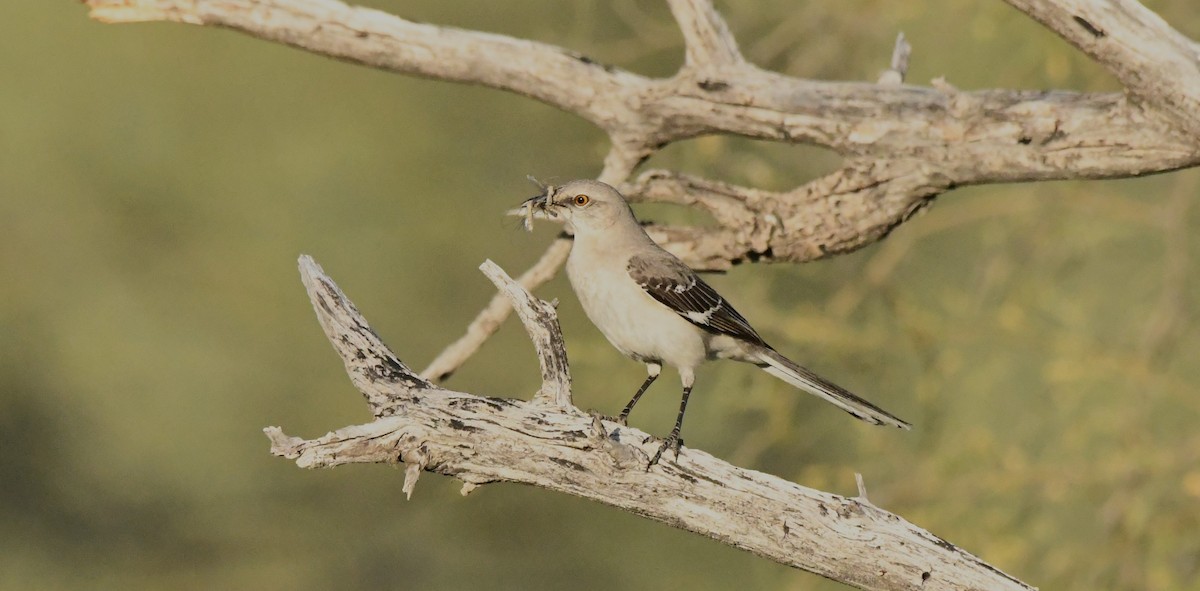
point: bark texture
(901, 145)
(547, 442)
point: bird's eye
(582, 200)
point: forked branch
(902, 144)
(480, 439)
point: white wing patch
(672, 283)
(690, 284)
(703, 318)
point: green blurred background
(158, 182)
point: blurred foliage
(159, 180)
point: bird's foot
(603, 417)
(674, 442)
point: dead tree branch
(902, 145)
(1158, 65)
(541, 322)
(618, 165)
(480, 439)
(488, 321)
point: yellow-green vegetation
(158, 181)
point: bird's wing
(678, 287)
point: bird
(655, 309)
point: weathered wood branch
(839, 212)
(618, 165)
(373, 368)
(480, 439)
(541, 322)
(488, 321)
(898, 68)
(709, 44)
(1155, 63)
(903, 144)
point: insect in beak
(536, 207)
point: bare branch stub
(480, 439)
(488, 321)
(618, 165)
(385, 381)
(541, 322)
(898, 68)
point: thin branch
(706, 37)
(618, 165)
(622, 159)
(480, 440)
(899, 65)
(541, 322)
(862, 487)
(488, 321)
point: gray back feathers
(671, 282)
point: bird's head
(585, 205)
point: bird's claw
(598, 415)
(674, 442)
(603, 417)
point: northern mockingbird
(656, 310)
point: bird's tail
(783, 368)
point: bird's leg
(653, 369)
(674, 441)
